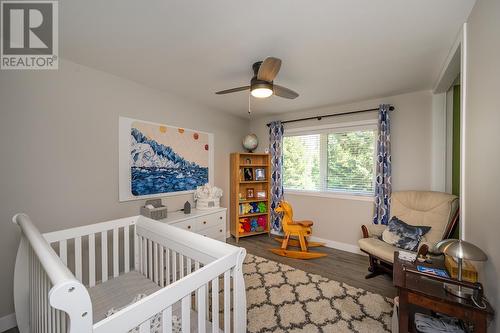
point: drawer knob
(189, 227)
(220, 217)
(220, 230)
(204, 222)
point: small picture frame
(247, 174)
(250, 193)
(248, 161)
(260, 174)
(261, 194)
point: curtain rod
(391, 108)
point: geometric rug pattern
(282, 299)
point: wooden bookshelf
(239, 186)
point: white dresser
(210, 223)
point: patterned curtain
(383, 187)
(276, 131)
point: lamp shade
(461, 249)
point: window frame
(342, 127)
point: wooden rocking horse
(300, 229)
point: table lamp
(460, 250)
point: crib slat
(162, 266)
(202, 308)
(58, 321)
(126, 245)
(49, 309)
(167, 266)
(115, 253)
(174, 266)
(186, 314)
(155, 250)
(215, 304)
(91, 260)
(42, 301)
(144, 256)
(227, 302)
(63, 323)
(196, 267)
(78, 258)
(189, 265)
(150, 259)
(38, 295)
(137, 258)
(104, 254)
(181, 264)
(63, 251)
(145, 327)
(31, 287)
(166, 320)
(45, 309)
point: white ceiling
(333, 51)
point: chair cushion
(425, 208)
(402, 235)
(378, 248)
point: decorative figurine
(207, 197)
(187, 208)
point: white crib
(190, 277)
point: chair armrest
(431, 247)
(372, 230)
(423, 249)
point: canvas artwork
(161, 159)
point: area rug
(282, 299)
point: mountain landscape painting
(165, 159)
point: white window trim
(337, 127)
(330, 194)
(369, 124)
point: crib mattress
(120, 291)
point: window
(339, 160)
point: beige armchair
(423, 208)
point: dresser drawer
(210, 221)
(209, 224)
(189, 225)
(215, 232)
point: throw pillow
(403, 235)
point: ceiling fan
(261, 84)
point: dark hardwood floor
(339, 265)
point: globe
(250, 142)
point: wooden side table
(427, 291)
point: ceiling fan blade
(232, 90)
(284, 92)
(269, 69)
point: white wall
(339, 220)
(59, 149)
(482, 151)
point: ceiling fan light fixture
(261, 90)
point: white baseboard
(328, 243)
(7, 322)
(337, 245)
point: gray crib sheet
(119, 292)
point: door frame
(456, 64)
